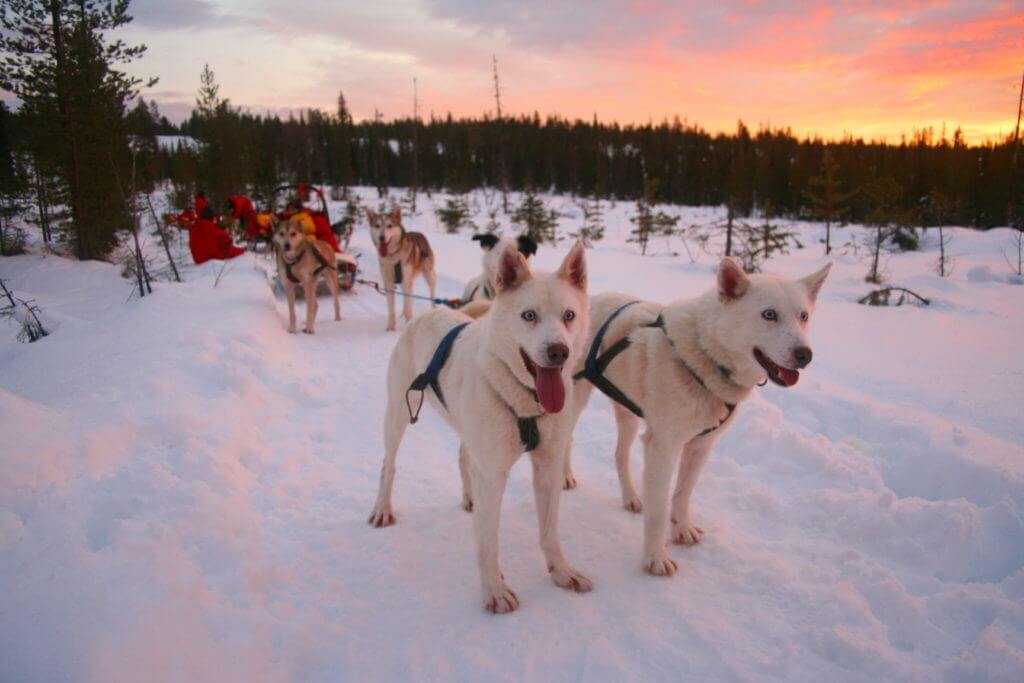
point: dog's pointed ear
(527, 245)
(732, 281)
(371, 217)
(574, 267)
(814, 281)
(512, 269)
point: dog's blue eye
(569, 315)
(803, 316)
(769, 314)
(529, 316)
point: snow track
(184, 491)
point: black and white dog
(484, 286)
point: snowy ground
(184, 491)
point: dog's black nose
(802, 355)
(558, 353)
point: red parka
(208, 241)
(241, 209)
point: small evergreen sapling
(757, 244)
(650, 223)
(455, 214)
(540, 223)
(592, 229)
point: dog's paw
(633, 503)
(390, 328)
(686, 534)
(307, 330)
(467, 503)
(662, 565)
(570, 482)
(382, 516)
(571, 579)
(291, 330)
(501, 600)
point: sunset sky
(875, 69)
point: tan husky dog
(403, 256)
(501, 383)
(684, 368)
(301, 261)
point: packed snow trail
(184, 490)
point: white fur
(721, 327)
(483, 378)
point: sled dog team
(513, 370)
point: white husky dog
(501, 383)
(684, 368)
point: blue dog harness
(529, 432)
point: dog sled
(283, 202)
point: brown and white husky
(403, 256)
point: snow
(172, 142)
(184, 490)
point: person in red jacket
(201, 203)
(242, 210)
(207, 240)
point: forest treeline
(82, 147)
(745, 170)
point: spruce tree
(827, 201)
(62, 67)
(13, 186)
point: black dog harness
(529, 432)
(319, 257)
(596, 363)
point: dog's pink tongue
(382, 249)
(789, 377)
(550, 389)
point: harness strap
(288, 266)
(398, 273)
(529, 432)
(323, 262)
(726, 373)
(595, 365)
(319, 257)
(430, 377)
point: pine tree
(827, 202)
(224, 166)
(61, 66)
(540, 223)
(13, 186)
